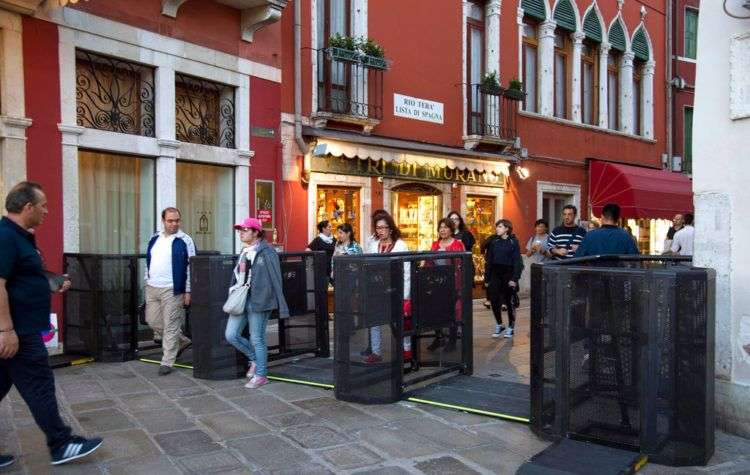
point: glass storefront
(339, 205)
(417, 208)
(650, 234)
(116, 203)
(480, 219)
(205, 197)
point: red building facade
(684, 56)
(357, 138)
(121, 108)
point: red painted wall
(204, 23)
(43, 152)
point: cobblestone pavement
(177, 424)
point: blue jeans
(256, 348)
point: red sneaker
(373, 358)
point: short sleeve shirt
(28, 290)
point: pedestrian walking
(325, 242)
(258, 265)
(461, 231)
(346, 242)
(536, 247)
(678, 222)
(683, 239)
(448, 241)
(25, 303)
(168, 286)
(564, 240)
(503, 269)
(388, 239)
(609, 238)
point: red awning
(640, 192)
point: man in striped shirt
(564, 240)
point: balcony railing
(491, 115)
(350, 86)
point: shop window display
(339, 205)
(480, 219)
(417, 209)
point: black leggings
(501, 294)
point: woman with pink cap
(258, 265)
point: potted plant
(343, 48)
(373, 54)
(490, 84)
(515, 90)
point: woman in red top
(448, 243)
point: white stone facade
(722, 206)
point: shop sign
(264, 202)
(417, 109)
(405, 170)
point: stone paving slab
(176, 424)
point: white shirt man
(682, 244)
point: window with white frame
(562, 77)
(613, 90)
(589, 82)
(530, 48)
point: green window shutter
(617, 37)
(591, 27)
(534, 8)
(640, 45)
(691, 33)
(565, 16)
(687, 151)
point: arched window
(617, 44)
(590, 68)
(565, 19)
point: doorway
(417, 208)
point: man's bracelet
(8, 330)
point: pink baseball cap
(252, 223)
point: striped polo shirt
(566, 237)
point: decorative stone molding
(255, 13)
(168, 148)
(244, 157)
(25, 7)
(320, 120)
(70, 133)
(14, 127)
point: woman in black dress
(324, 242)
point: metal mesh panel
(101, 307)
(622, 353)
(395, 306)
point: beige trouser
(165, 315)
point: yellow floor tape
(176, 365)
(469, 409)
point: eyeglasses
(382, 227)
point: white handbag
(235, 303)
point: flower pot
(341, 54)
(494, 90)
(374, 62)
(515, 94)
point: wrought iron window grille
(204, 112)
(114, 95)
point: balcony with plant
(491, 114)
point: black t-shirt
(27, 286)
(318, 244)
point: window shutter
(591, 27)
(617, 37)
(565, 16)
(534, 8)
(691, 33)
(640, 45)
(687, 154)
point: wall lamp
(522, 172)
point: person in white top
(387, 238)
(682, 243)
(168, 286)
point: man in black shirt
(564, 240)
(24, 314)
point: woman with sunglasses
(258, 265)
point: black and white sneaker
(6, 460)
(76, 448)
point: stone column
(647, 99)
(241, 182)
(71, 192)
(12, 151)
(626, 93)
(166, 162)
(603, 85)
(576, 85)
(545, 68)
(492, 64)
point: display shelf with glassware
(480, 219)
(339, 205)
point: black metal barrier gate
(101, 310)
(388, 307)
(622, 353)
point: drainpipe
(298, 76)
(669, 74)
